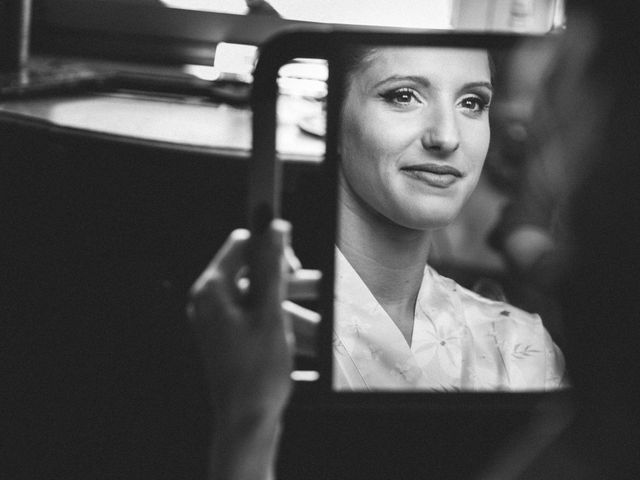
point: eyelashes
(474, 104)
(400, 96)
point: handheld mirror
(418, 146)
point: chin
(426, 221)
(430, 210)
(435, 216)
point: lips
(436, 175)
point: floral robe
(461, 341)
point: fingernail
(283, 227)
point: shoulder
(482, 305)
(510, 349)
(479, 311)
(496, 309)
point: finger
(304, 284)
(228, 260)
(216, 286)
(305, 327)
(231, 256)
(292, 261)
(301, 313)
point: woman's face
(415, 132)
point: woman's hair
(355, 57)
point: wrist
(244, 445)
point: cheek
(363, 146)
(476, 147)
(374, 141)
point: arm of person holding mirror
(247, 346)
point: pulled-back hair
(355, 57)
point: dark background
(101, 239)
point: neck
(389, 258)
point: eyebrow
(487, 85)
(413, 78)
(425, 82)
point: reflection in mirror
(305, 199)
(416, 207)
(302, 87)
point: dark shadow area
(101, 241)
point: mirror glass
(306, 197)
(443, 220)
(442, 213)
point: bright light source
(203, 72)
(235, 58)
(223, 6)
(399, 13)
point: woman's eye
(401, 96)
(474, 104)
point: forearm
(244, 448)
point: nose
(441, 135)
